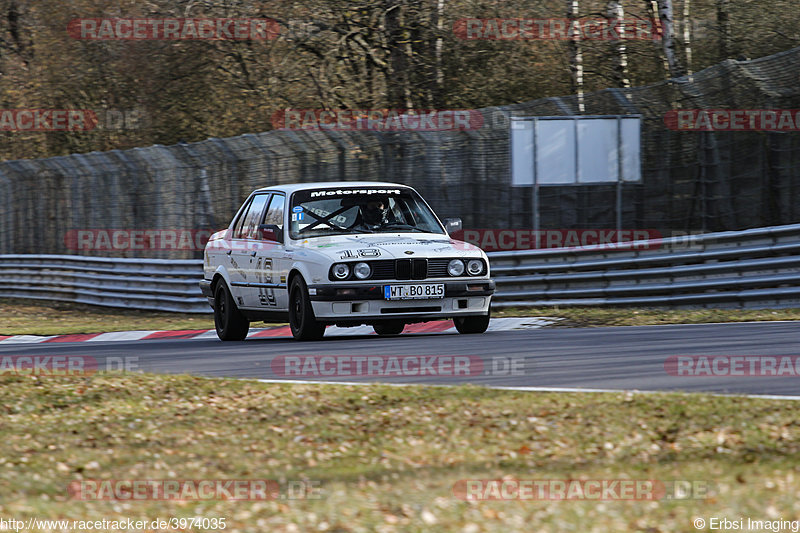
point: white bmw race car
(343, 253)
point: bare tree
(398, 86)
(687, 35)
(13, 40)
(724, 25)
(615, 14)
(575, 53)
(438, 78)
(665, 17)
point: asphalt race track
(622, 358)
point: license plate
(413, 292)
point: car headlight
(341, 271)
(455, 267)
(475, 267)
(362, 270)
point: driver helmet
(375, 211)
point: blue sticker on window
(297, 209)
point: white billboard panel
(555, 152)
(575, 150)
(522, 152)
(597, 151)
(631, 149)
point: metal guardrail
(148, 284)
(751, 268)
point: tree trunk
(432, 33)
(12, 27)
(724, 24)
(668, 37)
(687, 36)
(398, 91)
(575, 54)
(615, 14)
(436, 101)
(652, 7)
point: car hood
(390, 246)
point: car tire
(230, 323)
(472, 324)
(301, 315)
(390, 327)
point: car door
(234, 243)
(243, 250)
(271, 260)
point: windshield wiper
(336, 231)
(313, 227)
(408, 227)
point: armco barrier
(149, 284)
(752, 268)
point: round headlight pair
(456, 267)
(475, 267)
(342, 271)
(362, 270)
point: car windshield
(325, 212)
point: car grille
(437, 268)
(404, 269)
(382, 269)
(411, 268)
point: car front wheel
(301, 315)
(230, 323)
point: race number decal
(266, 295)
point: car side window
(237, 228)
(250, 225)
(275, 212)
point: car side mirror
(270, 232)
(452, 225)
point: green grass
(387, 458)
(29, 317)
(639, 316)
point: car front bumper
(366, 302)
(205, 288)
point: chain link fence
(692, 181)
